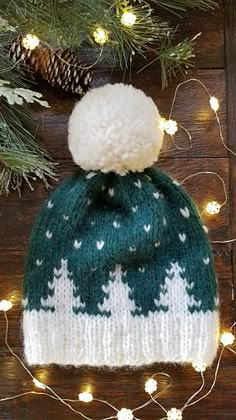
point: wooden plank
(230, 40)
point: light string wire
(215, 112)
(227, 241)
(209, 173)
(66, 401)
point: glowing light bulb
(128, 18)
(213, 207)
(5, 305)
(174, 414)
(30, 42)
(199, 367)
(214, 103)
(227, 338)
(38, 384)
(169, 126)
(85, 397)
(151, 386)
(100, 35)
(125, 414)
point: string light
(174, 414)
(227, 338)
(128, 18)
(100, 35)
(214, 103)
(5, 305)
(30, 42)
(125, 414)
(151, 386)
(169, 126)
(213, 207)
(85, 397)
(199, 367)
(38, 384)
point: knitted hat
(119, 270)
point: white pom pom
(115, 128)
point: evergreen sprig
(182, 5)
(21, 158)
(71, 23)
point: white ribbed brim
(81, 339)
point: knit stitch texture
(119, 272)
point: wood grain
(124, 388)
(230, 41)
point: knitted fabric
(119, 272)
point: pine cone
(58, 67)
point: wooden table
(216, 67)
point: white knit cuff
(83, 339)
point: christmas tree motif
(176, 293)
(118, 302)
(62, 296)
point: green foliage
(182, 5)
(21, 158)
(71, 23)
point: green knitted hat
(119, 270)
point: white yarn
(124, 338)
(115, 128)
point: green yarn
(98, 221)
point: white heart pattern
(132, 249)
(39, 262)
(147, 228)
(50, 204)
(90, 175)
(182, 237)
(65, 217)
(138, 183)
(205, 228)
(142, 270)
(156, 195)
(206, 260)
(116, 225)
(111, 192)
(185, 212)
(48, 234)
(77, 244)
(134, 209)
(157, 244)
(100, 245)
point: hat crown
(124, 258)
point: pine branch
(183, 5)
(176, 59)
(21, 158)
